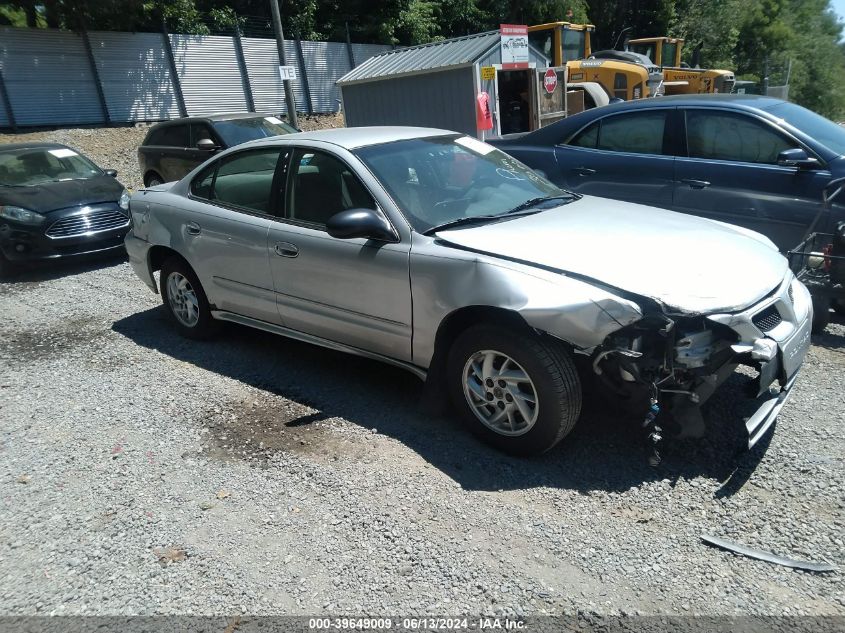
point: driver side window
(320, 186)
(734, 137)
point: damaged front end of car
(669, 362)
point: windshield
(237, 131)
(26, 167)
(668, 55)
(445, 178)
(543, 41)
(643, 49)
(815, 126)
(573, 45)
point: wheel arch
(156, 257)
(457, 322)
(149, 173)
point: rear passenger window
(638, 133)
(201, 185)
(243, 180)
(587, 138)
(735, 137)
(321, 186)
(170, 136)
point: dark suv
(173, 148)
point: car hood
(689, 264)
(51, 196)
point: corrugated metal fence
(50, 77)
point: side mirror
(797, 157)
(367, 223)
(110, 172)
(207, 145)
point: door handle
(584, 171)
(286, 249)
(192, 228)
(696, 184)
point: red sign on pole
(550, 81)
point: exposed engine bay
(668, 365)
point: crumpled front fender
(570, 309)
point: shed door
(549, 106)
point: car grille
(88, 222)
(768, 319)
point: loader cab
(663, 51)
(562, 42)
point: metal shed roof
(459, 51)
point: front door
(352, 291)
(731, 174)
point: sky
(839, 7)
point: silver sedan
(437, 253)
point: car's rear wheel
(839, 306)
(821, 313)
(516, 391)
(185, 300)
(153, 179)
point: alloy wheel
(500, 393)
(183, 299)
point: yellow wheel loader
(679, 78)
(618, 74)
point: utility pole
(280, 44)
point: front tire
(516, 391)
(153, 180)
(7, 268)
(185, 300)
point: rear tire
(821, 314)
(515, 390)
(839, 307)
(153, 179)
(185, 300)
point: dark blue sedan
(749, 160)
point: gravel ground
(146, 474)
(117, 147)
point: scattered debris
(167, 555)
(223, 494)
(766, 556)
(24, 479)
(207, 505)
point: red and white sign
(514, 43)
(550, 81)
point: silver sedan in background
(438, 253)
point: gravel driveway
(144, 473)
(141, 473)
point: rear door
(225, 226)
(167, 151)
(729, 172)
(624, 156)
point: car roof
(34, 145)
(355, 137)
(576, 121)
(220, 116)
(748, 100)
